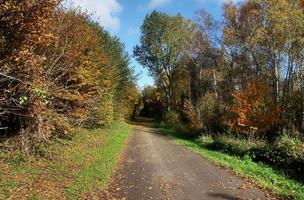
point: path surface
(154, 167)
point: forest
(59, 71)
(238, 82)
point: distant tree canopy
(243, 74)
(162, 40)
(59, 70)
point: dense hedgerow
(59, 70)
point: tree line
(242, 74)
(234, 85)
(59, 70)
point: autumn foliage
(254, 111)
(57, 72)
(25, 35)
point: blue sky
(124, 18)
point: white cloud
(156, 3)
(107, 10)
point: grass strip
(258, 173)
(101, 163)
(77, 167)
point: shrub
(285, 153)
(205, 140)
(210, 113)
(25, 35)
(253, 112)
(172, 118)
(230, 144)
(193, 124)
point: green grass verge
(103, 160)
(259, 173)
(77, 167)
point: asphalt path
(155, 167)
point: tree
(263, 40)
(123, 74)
(203, 60)
(90, 72)
(162, 41)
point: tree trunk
(276, 79)
(215, 84)
(169, 98)
(302, 113)
(169, 103)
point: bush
(205, 140)
(193, 125)
(230, 144)
(239, 147)
(172, 118)
(254, 112)
(210, 112)
(285, 153)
